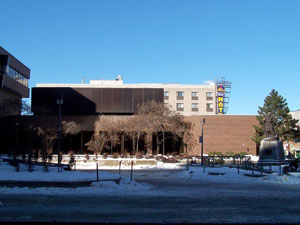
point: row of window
(194, 95)
(17, 76)
(195, 107)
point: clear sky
(255, 44)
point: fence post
(120, 167)
(97, 172)
(279, 168)
(131, 171)
(187, 165)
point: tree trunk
(133, 145)
(122, 144)
(163, 143)
(148, 143)
(157, 144)
(137, 142)
(111, 148)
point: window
(209, 96)
(180, 95)
(194, 106)
(194, 95)
(179, 106)
(166, 95)
(17, 76)
(209, 107)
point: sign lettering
(220, 99)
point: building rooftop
(118, 83)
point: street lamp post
(59, 103)
(202, 139)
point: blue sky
(255, 44)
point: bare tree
(106, 134)
(49, 135)
(151, 118)
(160, 119)
(69, 128)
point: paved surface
(177, 201)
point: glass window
(179, 93)
(209, 107)
(179, 105)
(209, 95)
(17, 76)
(166, 93)
(194, 94)
(194, 105)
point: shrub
(170, 160)
(149, 157)
(160, 158)
(219, 161)
(139, 155)
(229, 153)
(104, 156)
(243, 153)
(115, 155)
(215, 153)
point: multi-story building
(14, 77)
(188, 100)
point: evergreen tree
(276, 104)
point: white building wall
(188, 101)
(296, 115)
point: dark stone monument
(271, 148)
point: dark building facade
(14, 77)
(91, 101)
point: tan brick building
(225, 133)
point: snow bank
(7, 172)
(103, 187)
(113, 164)
(231, 175)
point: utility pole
(59, 103)
(202, 139)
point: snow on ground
(7, 172)
(231, 175)
(130, 187)
(126, 165)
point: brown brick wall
(224, 133)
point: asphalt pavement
(177, 201)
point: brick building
(225, 133)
